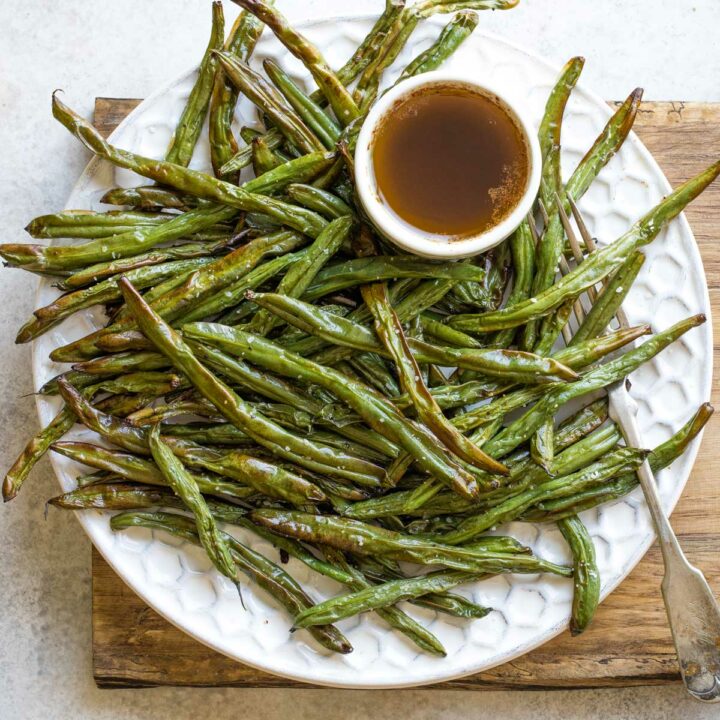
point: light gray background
(126, 49)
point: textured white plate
(177, 580)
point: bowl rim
(413, 239)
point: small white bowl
(413, 239)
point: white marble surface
(127, 49)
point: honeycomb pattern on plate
(528, 610)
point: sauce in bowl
(450, 161)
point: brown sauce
(450, 161)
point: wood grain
(628, 644)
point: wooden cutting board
(629, 642)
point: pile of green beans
(269, 362)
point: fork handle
(692, 610)
(695, 623)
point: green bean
(522, 475)
(579, 424)
(331, 86)
(576, 357)
(390, 332)
(272, 139)
(612, 137)
(114, 429)
(284, 415)
(208, 433)
(104, 292)
(335, 438)
(231, 294)
(368, 49)
(296, 550)
(432, 326)
(452, 604)
(116, 496)
(130, 467)
(150, 197)
(504, 364)
(120, 363)
(554, 324)
(613, 464)
(271, 578)
(549, 136)
(194, 290)
(421, 297)
(449, 40)
(525, 475)
(324, 127)
(586, 576)
(186, 180)
(607, 144)
(483, 434)
(373, 370)
(454, 396)
(376, 410)
(541, 446)
(363, 539)
(263, 476)
(397, 36)
(598, 266)
(373, 269)
(184, 485)
(99, 477)
(270, 102)
(263, 158)
(409, 297)
(68, 257)
(610, 299)
(405, 502)
(241, 42)
(300, 169)
(34, 450)
(140, 382)
(275, 388)
(102, 271)
(374, 597)
(89, 224)
(395, 617)
(368, 84)
(426, 8)
(53, 431)
(265, 432)
(662, 456)
(302, 272)
(321, 201)
(589, 351)
(193, 116)
(125, 496)
(522, 246)
(600, 377)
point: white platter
(178, 581)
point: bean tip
(9, 489)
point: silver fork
(692, 609)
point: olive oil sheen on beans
(450, 161)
